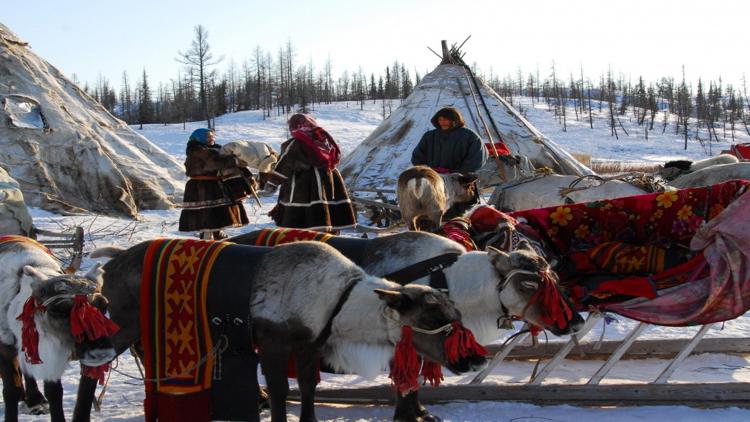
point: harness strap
(326, 332)
(432, 267)
(210, 178)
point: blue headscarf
(200, 135)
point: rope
(445, 328)
(219, 348)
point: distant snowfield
(349, 126)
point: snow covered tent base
(377, 162)
(16, 220)
(68, 153)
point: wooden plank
(617, 354)
(561, 354)
(498, 358)
(691, 394)
(373, 203)
(641, 349)
(684, 353)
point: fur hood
(450, 113)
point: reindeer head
(459, 187)
(528, 290)
(433, 318)
(70, 308)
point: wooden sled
(57, 242)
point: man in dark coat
(451, 148)
(207, 206)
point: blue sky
(651, 38)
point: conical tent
(68, 152)
(376, 163)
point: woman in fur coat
(208, 206)
(313, 194)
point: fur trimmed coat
(207, 205)
(309, 197)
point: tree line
(271, 81)
(276, 82)
(695, 110)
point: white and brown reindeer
(46, 318)
(257, 155)
(307, 298)
(485, 286)
(424, 195)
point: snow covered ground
(349, 125)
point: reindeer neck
(472, 282)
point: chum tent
(67, 152)
(377, 162)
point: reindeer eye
(530, 285)
(432, 299)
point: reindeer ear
(524, 245)
(95, 275)
(392, 298)
(499, 259)
(30, 271)
(467, 179)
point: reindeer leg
(422, 413)
(53, 391)
(307, 380)
(33, 398)
(406, 408)
(274, 359)
(85, 399)
(12, 392)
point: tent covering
(376, 163)
(67, 152)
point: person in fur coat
(208, 206)
(313, 194)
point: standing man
(451, 148)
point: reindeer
(424, 195)
(257, 155)
(674, 169)
(485, 286)
(712, 175)
(33, 288)
(305, 297)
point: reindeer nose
(576, 324)
(96, 357)
(99, 302)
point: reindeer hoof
(36, 410)
(263, 401)
(424, 415)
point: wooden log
(641, 349)
(691, 394)
(373, 203)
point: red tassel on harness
(405, 368)
(95, 372)
(555, 310)
(461, 343)
(86, 320)
(432, 372)
(29, 334)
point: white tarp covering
(66, 151)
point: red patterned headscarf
(320, 147)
